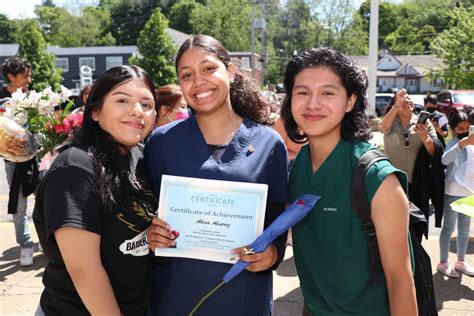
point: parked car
(381, 103)
(450, 101)
(272, 98)
(383, 99)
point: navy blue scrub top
(256, 154)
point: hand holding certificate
(209, 218)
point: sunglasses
(406, 141)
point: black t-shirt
(4, 93)
(66, 198)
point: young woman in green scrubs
(325, 107)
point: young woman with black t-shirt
(92, 208)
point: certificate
(211, 217)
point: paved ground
(20, 288)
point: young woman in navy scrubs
(225, 140)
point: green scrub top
(330, 248)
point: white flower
(34, 97)
(45, 106)
(18, 96)
(47, 91)
(65, 93)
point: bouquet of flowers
(39, 113)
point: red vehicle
(453, 100)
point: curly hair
(245, 99)
(14, 66)
(355, 125)
(112, 168)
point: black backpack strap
(361, 205)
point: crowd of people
(215, 125)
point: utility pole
(373, 55)
(258, 24)
(264, 51)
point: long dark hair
(355, 125)
(112, 168)
(245, 99)
(457, 117)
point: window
(87, 61)
(62, 63)
(245, 63)
(113, 61)
(437, 82)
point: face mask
(182, 115)
(431, 110)
(462, 135)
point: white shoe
(448, 270)
(26, 257)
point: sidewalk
(20, 288)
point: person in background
(438, 119)
(93, 206)
(403, 136)
(17, 73)
(292, 147)
(226, 139)
(459, 159)
(414, 148)
(471, 117)
(325, 106)
(170, 104)
(82, 98)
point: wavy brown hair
(245, 99)
(167, 96)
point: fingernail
(175, 234)
(173, 243)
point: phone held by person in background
(471, 130)
(423, 117)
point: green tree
(226, 20)
(8, 28)
(129, 18)
(298, 29)
(408, 39)
(180, 15)
(33, 48)
(455, 46)
(354, 39)
(156, 50)
(389, 18)
(64, 29)
(48, 3)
